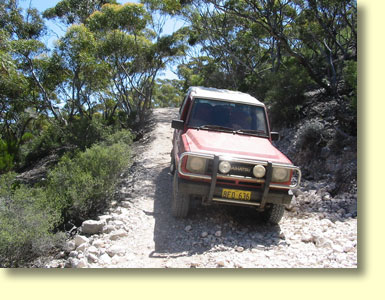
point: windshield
(239, 117)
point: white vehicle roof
(221, 94)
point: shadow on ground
(239, 227)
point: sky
(55, 30)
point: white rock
(70, 246)
(79, 239)
(93, 250)
(92, 226)
(73, 262)
(337, 248)
(239, 249)
(82, 263)
(349, 248)
(327, 223)
(188, 228)
(105, 259)
(194, 264)
(220, 263)
(92, 258)
(105, 218)
(98, 243)
(322, 242)
(108, 228)
(238, 265)
(116, 250)
(73, 254)
(118, 234)
(125, 204)
(204, 234)
(118, 224)
(218, 233)
(326, 197)
(82, 247)
(307, 238)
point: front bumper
(211, 190)
(202, 189)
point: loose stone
(92, 226)
(79, 239)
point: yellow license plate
(236, 194)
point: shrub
(6, 158)
(310, 135)
(26, 223)
(84, 132)
(122, 136)
(285, 95)
(76, 189)
(350, 76)
(80, 186)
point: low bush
(310, 135)
(26, 223)
(6, 158)
(79, 186)
(285, 95)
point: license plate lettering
(236, 194)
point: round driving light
(196, 163)
(259, 171)
(224, 167)
(280, 174)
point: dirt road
(139, 232)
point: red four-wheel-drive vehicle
(223, 153)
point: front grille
(237, 169)
(240, 169)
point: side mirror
(275, 136)
(177, 124)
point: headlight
(259, 171)
(196, 164)
(224, 167)
(280, 175)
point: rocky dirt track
(317, 231)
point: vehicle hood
(236, 145)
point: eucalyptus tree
(134, 53)
(24, 94)
(74, 11)
(256, 36)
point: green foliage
(26, 223)
(73, 11)
(80, 186)
(285, 93)
(129, 17)
(76, 189)
(83, 132)
(310, 136)
(80, 134)
(168, 93)
(350, 75)
(6, 158)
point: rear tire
(274, 213)
(180, 201)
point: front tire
(180, 201)
(172, 164)
(274, 213)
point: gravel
(317, 230)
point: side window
(184, 108)
(183, 105)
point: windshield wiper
(216, 127)
(252, 131)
